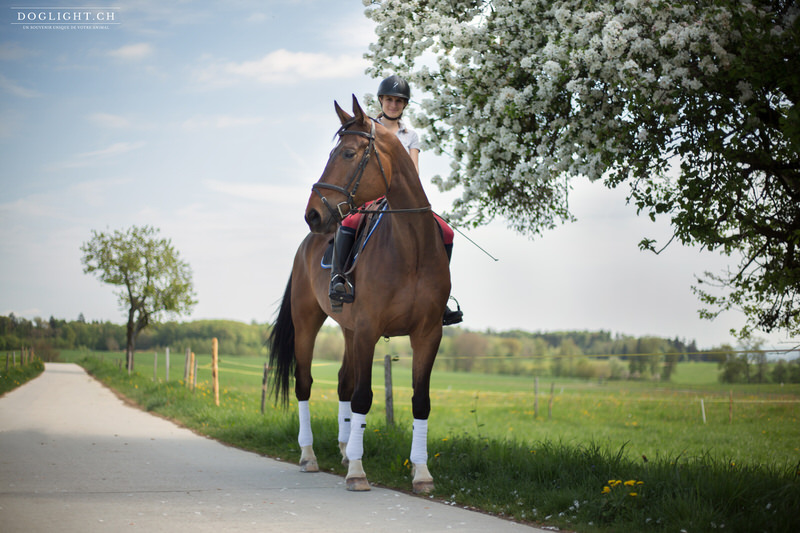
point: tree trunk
(131, 340)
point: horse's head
(355, 172)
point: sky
(211, 121)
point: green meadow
(598, 456)
(743, 423)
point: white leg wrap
(344, 421)
(304, 437)
(419, 442)
(355, 444)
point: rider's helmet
(394, 85)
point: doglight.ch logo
(65, 18)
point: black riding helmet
(394, 85)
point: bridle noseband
(349, 191)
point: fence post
(186, 365)
(264, 388)
(215, 368)
(535, 396)
(190, 381)
(703, 410)
(166, 356)
(387, 376)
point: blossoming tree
(690, 104)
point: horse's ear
(343, 116)
(358, 112)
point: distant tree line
(235, 338)
(581, 354)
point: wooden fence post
(190, 381)
(264, 388)
(186, 365)
(703, 410)
(387, 376)
(215, 368)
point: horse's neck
(406, 191)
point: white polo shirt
(407, 136)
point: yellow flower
(630, 483)
(606, 490)
(633, 494)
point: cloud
(87, 159)
(255, 191)
(14, 52)
(283, 67)
(132, 52)
(108, 120)
(220, 122)
(15, 89)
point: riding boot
(451, 317)
(341, 289)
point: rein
(349, 191)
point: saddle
(365, 229)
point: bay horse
(403, 282)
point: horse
(403, 282)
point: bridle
(349, 190)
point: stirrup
(345, 296)
(452, 317)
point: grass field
(618, 456)
(744, 423)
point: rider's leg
(342, 245)
(451, 317)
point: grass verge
(15, 376)
(583, 487)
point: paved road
(74, 458)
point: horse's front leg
(345, 390)
(363, 352)
(424, 348)
(305, 336)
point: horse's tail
(281, 349)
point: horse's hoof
(309, 466)
(358, 484)
(423, 481)
(422, 487)
(356, 479)
(308, 461)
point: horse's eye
(349, 154)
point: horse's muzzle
(317, 223)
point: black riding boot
(341, 289)
(451, 317)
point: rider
(393, 95)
